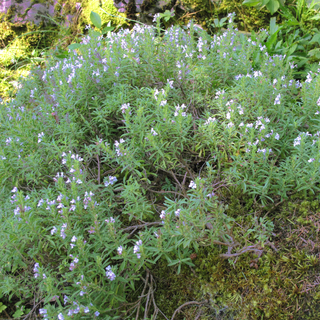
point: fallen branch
(184, 305)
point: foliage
(271, 5)
(131, 150)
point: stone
(24, 11)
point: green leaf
(273, 26)
(316, 17)
(273, 6)
(96, 33)
(316, 38)
(18, 314)
(107, 29)
(251, 3)
(314, 53)
(74, 46)
(95, 19)
(271, 41)
(2, 307)
(292, 50)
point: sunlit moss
(97, 6)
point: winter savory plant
(115, 157)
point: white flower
(311, 160)
(111, 220)
(40, 135)
(156, 16)
(163, 214)
(192, 185)
(277, 100)
(209, 121)
(297, 141)
(153, 132)
(120, 249)
(54, 230)
(277, 137)
(170, 83)
(124, 107)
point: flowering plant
(91, 143)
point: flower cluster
(111, 180)
(118, 146)
(109, 273)
(180, 108)
(136, 248)
(192, 185)
(73, 264)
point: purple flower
(92, 230)
(111, 220)
(110, 274)
(111, 181)
(43, 311)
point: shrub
(113, 157)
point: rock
(20, 12)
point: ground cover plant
(151, 154)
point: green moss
(282, 284)
(96, 6)
(9, 81)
